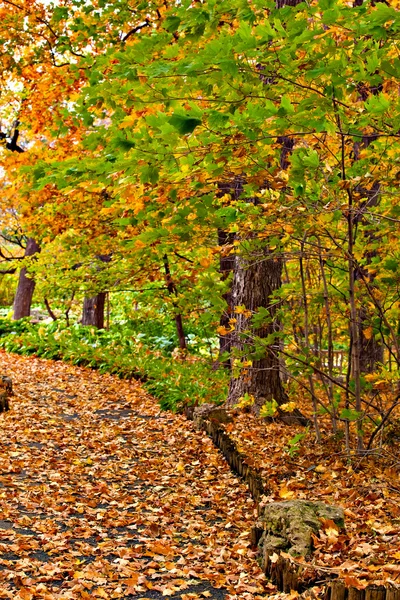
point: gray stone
(289, 526)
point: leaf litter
(104, 496)
(366, 487)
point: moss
(289, 525)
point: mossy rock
(289, 526)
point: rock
(288, 526)
(209, 412)
(5, 392)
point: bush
(176, 381)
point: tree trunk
(93, 310)
(256, 277)
(26, 285)
(173, 292)
(371, 349)
(226, 267)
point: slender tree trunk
(330, 338)
(26, 285)
(172, 291)
(307, 341)
(371, 349)
(93, 310)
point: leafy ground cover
(175, 379)
(105, 496)
(292, 464)
(294, 467)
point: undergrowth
(175, 380)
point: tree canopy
(147, 128)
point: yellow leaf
(240, 309)
(285, 493)
(320, 469)
(368, 333)
(205, 262)
(370, 376)
(100, 593)
(79, 575)
(223, 330)
(288, 406)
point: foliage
(7, 289)
(175, 381)
(155, 129)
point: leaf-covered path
(102, 495)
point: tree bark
(93, 310)
(371, 349)
(256, 277)
(26, 285)
(226, 266)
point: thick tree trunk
(370, 346)
(93, 310)
(256, 278)
(26, 285)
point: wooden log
(375, 592)
(393, 592)
(274, 571)
(5, 392)
(255, 534)
(327, 593)
(338, 590)
(290, 579)
(356, 594)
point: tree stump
(5, 392)
(288, 527)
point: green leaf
(377, 104)
(287, 105)
(350, 415)
(184, 124)
(391, 264)
(149, 174)
(311, 159)
(171, 23)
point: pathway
(104, 496)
